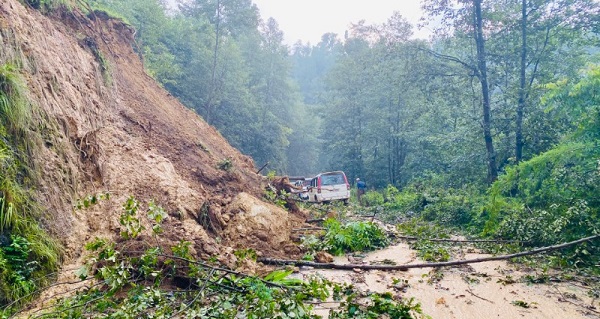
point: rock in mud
(323, 257)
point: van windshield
(334, 179)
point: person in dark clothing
(361, 187)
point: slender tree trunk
(394, 142)
(522, 88)
(213, 80)
(485, 92)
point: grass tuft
(15, 111)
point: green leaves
(152, 283)
(90, 200)
(225, 165)
(378, 305)
(281, 277)
(27, 252)
(130, 222)
(132, 225)
(8, 216)
(15, 112)
(351, 237)
(156, 214)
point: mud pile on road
(105, 126)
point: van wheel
(316, 200)
(346, 201)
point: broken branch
(460, 240)
(405, 267)
(308, 229)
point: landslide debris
(105, 126)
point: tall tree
(558, 24)
(466, 18)
(485, 90)
(522, 84)
(229, 19)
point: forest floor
(497, 289)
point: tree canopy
(461, 107)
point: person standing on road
(361, 187)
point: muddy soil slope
(104, 125)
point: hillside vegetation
(83, 129)
(131, 133)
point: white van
(329, 186)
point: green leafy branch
(351, 237)
(167, 282)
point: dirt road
(483, 290)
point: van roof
(332, 173)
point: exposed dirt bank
(104, 126)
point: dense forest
(484, 94)
(491, 127)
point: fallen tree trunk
(459, 240)
(308, 228)
(272, 261)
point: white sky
(308, 20)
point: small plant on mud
(523, 304)
(90, 200)
(157, 215)
(245, 254)
(594, 292)
(271, 176)
(426, 249)
(312, 244)
(436, 275)
(277, 199)
(430, 251)
(378, 305)
(350, 237)
(132, 225)
(225, 165)
(422, 229)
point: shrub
(454, 207)
(544, 227)
(549, 199)
(353, 236)
(225, 165)
(559, 176)
(450, 209)
(408, 200)
(546, 188)
(372, 199)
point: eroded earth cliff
(105, 126)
